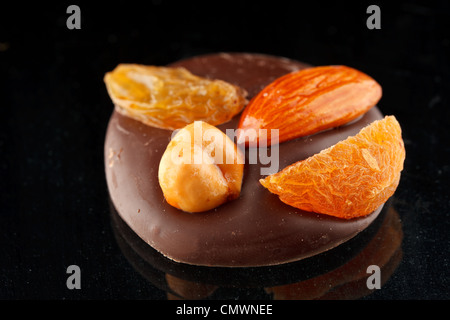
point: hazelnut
(201, 168)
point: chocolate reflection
(339, 273)
(349, 281)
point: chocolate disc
(257, 229)
(155, 267)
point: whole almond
(305, 102)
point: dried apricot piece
(350, 179)
(171, 98)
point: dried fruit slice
(350, 179)
(171, 98)
(308, 101)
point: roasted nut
(201, 168)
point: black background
(55, 110)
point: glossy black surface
(54, 110)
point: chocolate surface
(249, 71)
(256, 229)
(153, 265)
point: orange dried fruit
(348, 180)
(171, 98)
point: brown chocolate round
(257, 229)
(154, 266)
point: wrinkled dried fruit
(350, 179)
(171, 98)
(201, 168)
(308, 101)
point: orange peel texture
(348, 180)
(171, 98)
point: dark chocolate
(249, 71)
(153, 265)
(256, 229)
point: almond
(305, 102)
